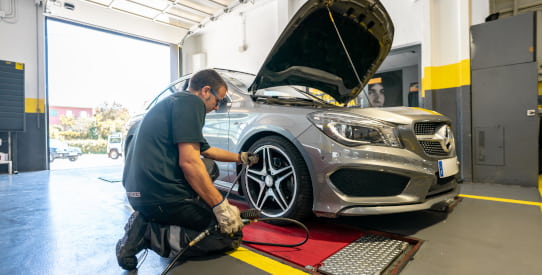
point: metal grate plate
(370, 254)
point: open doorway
(96, 80)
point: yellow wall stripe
(501, 200)
(32, 105)
(264, 263)
(447, 76)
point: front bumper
(419, 188)
(433, 202)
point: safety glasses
(218, 100)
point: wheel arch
(256, 135)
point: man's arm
(221, 155)
(196, 174)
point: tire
(279, 185)
(72, 158)
(114, 154)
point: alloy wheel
(272, 183)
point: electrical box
(12, 101)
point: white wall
(22, 41)
(239, 40)
(407, 17)
(479, 11)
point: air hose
(279, 244)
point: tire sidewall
(302, 199)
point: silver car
(320, 158)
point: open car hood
(310, 53)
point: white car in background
(114, 146)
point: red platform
(325, 239)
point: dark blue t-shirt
(151, 172)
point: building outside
(55, 112)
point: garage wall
(239, 40)
(407, 17)
(22, 41)
(20, 44)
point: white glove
(228, 217)
(248, 158)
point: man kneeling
(166, 180)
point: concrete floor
(68, 221)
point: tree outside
(91, 133)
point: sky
(87, 67)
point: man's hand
(248, 158)
(228, 217)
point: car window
(181, 86)
(115, 140)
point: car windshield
(283, 91)
(239, 79)
(290, 92)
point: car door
(216, 132)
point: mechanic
(166, 180)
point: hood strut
(347, 55)
(342, 43)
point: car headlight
(354, 130)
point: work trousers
(191, 213)
(173, 225)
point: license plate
(447, 167)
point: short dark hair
(208, 77)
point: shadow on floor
(405, 224)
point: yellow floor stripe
(263, 263)
(501, 200)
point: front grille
(426, 133)
(363, 183)
(432, 148)
(426, 128)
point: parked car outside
(60, 150)
(114, 146)
(316, 157)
